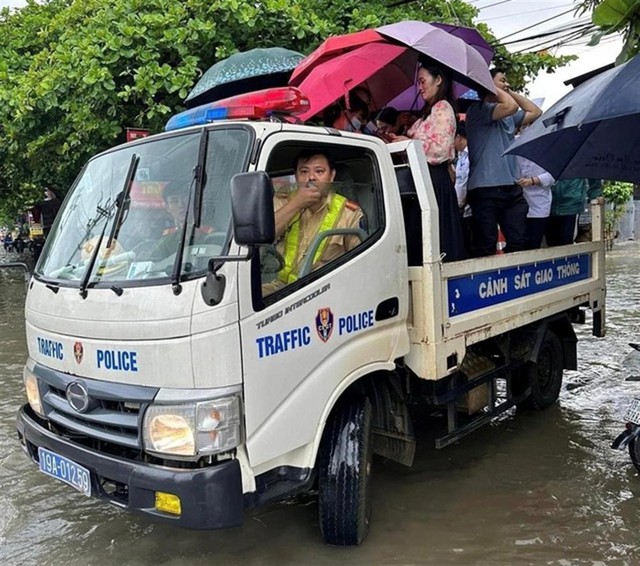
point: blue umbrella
(592, 132)
(243, 72)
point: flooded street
(531, 488)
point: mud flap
(561, 326)
(392, 426)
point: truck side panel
(483, 298)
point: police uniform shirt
(350, 217)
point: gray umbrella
(592, 132)
(242, 72)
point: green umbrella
(242, 72)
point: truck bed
(454, 305)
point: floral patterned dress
(437, 131)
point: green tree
(75, 73)
(616, 194)
(613, 17)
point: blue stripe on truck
(479, 290)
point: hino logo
(78, 396)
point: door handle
(388, 309)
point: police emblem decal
(324, 323)
(78, 351)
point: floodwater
(530, 488)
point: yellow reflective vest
(288, 274)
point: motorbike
(629, 437)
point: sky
(509, 17)
(508, 20)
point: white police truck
(166, 376)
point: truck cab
(172, 372)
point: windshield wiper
(122, 199)
(94, 254)
(202, 151)
(101, 212)
(177, 264)
(106, 212)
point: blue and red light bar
(256, 105)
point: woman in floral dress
(436, 130)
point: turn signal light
(168, 503)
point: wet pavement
(530, 488)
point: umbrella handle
(346, 94)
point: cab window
(328, 208)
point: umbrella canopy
(465, 63)
(242, 72)
(386, 68)
(471, 37)
(410, 99)
(332, 47)
(592, 132)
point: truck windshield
(132, 209)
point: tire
(634, 452)
(344, 474)
(544, 376)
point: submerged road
(531, 488)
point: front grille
(113, 416)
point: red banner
(136, 133)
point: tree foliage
(76, 73)
(613, 17)
(616, 194)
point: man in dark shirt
(493, 194)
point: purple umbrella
(463, 61)
(471, 37)
(410, 99)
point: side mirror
(252, 209)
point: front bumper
(211, 498)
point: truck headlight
(33, 392)
(193, 429)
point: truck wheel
(634, 452)
(345, 472)
(545, 376)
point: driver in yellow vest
(311, 208)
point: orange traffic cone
(501, 243)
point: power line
(494, 4)
(578, 33)
(527, 12)
(561, 35)
(551, 32)
(553, 42)
(554, 34)
(581, 40)
(537, 24)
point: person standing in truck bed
(493, 194)
(436, 131)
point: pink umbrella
(332, 47)
(386, 68)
